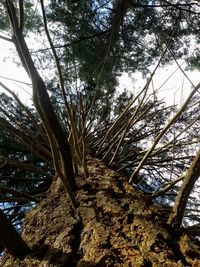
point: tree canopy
(74, 53)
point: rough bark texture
(119, 227)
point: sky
(172, 84)
(9, 69)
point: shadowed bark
(11, 239)
(119, 227)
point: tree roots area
(114, 225)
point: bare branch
(12, 15)
(72, 43)
(192, 175)
(180, 6)
(6, 39)
(167, 186)
(18, 193)
(17, 81)
(11, 239)
(21, 14)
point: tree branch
(57, 138)
(21, 15)
(6, 38)
(11, 240)
(18, 193)
(71, 43)
(192, 175)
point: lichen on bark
(120, 227)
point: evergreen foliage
(94, 43)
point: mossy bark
(119, 226)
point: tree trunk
(119, 227)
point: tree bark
(11, 239)
(119, 227)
